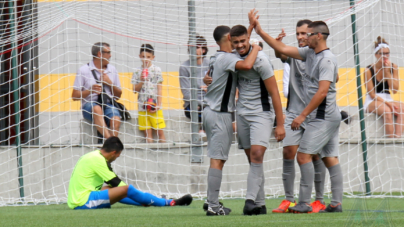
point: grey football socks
(306, 182)
(319, 179)
(336, 184)
(288, 177)
(260, 200)
(214, 182)
(254, 180)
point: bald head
(320, 27)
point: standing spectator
(87, 89)
(185, 79)
(147, 81)
(380, 78)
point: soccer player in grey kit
(258, 100)
(295, 105)
(219, 105)
(321, 134)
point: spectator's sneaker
(250, 208)
(100, 138)
(345, 117)
(331, 208)
(263, 210)
(317, 206)
(183, 201)
(206, 205)
(222, 211)
(283, 207)
(301, 208)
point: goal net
(43, 132)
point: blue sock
(129, 201)
(146, 198)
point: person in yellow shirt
(94, 168)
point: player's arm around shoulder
(249, 62)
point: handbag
(104, 99)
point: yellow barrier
(55, 90)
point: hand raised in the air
(297, 122)
(281, 35)
(253, 17)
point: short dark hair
(97, 47)
(220, 31)
(303, 22)
(111, 144)
(200, 41)
(238, 30)
(320, 26)
(261, 45)
(147, 48)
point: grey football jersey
(253, 95)
(319, 67)
(221, 92)
(297, 88)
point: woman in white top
(381, 77)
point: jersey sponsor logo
(244, 80)
(151, 202)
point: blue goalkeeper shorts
(96, 200)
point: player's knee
(315, 158)
(289, 153)
(303, 158)
(257, 156)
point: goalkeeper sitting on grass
(94, 168)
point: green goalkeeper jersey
(89, 174)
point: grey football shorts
(254, 129)
(321, 137)
(292, 138)
(219, 131)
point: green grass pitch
(377, 212)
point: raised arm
(279, 39)
(280, 47)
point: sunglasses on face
(384, 53)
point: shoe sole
(279, 211)
(298, 212)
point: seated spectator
(147, 81)
(380, 78)
(185, 79)
(87, 89)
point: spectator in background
(87, 89)
(380, 78)
(185, 79)
(147, 81)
